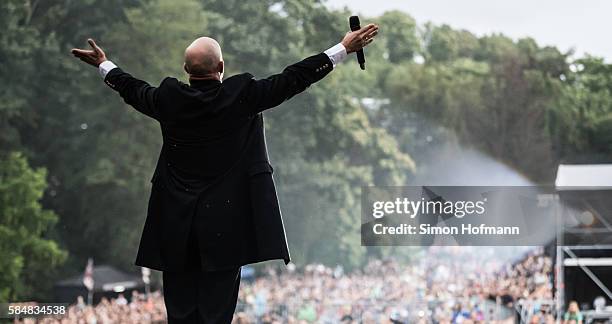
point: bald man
(203, 58)
(213, 205)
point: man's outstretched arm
(137, 93)
(272, 91)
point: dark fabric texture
(197, 296)
(213, 172)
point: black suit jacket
(213, 171)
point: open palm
(93, 57)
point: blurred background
(446, 99)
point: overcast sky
(583, 25)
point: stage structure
(583, 260)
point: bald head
(203, 59)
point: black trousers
(197, 296)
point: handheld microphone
(355, 25)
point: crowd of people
(443, 285)
(139, 309)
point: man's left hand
(93, 57)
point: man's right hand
(356, 40)
(93, 57)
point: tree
(580, 124)
(494, 94)
(444, 43)
(399, 32)
(28, 258)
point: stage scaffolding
(583, 246)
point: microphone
(355, 25)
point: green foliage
(27, 257)
(444, 43)
(581, 123)
(493, 93)
(401, 39)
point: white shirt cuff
(336, 53)
(106, 67)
